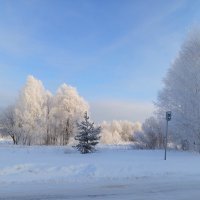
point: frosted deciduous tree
(38, 117)
(8, 123)
(48, 137)
(30, 112)
(88, 136)
(151, 135)
(68, 109)
(109, 136)
(128, 129)
(117, 132)
(110, 133)
(181, 92)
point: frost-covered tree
(47, 120)
(8, 123)
(88, 136)
(181, 92)
(151, 134)
(38, 117)
(30, 112)
(68, 109)
(110, 133)
(117, 132)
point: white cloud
(120, 110)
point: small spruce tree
(88, 135)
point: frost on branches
(119, 132)
(88, 136)
(181, 92)
(38, 117)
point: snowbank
(19, 164)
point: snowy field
(40, 172)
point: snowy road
(138, 189)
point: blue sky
(115, 52)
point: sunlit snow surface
(49, 172)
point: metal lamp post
(168, 118)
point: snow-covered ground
(110, 172)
